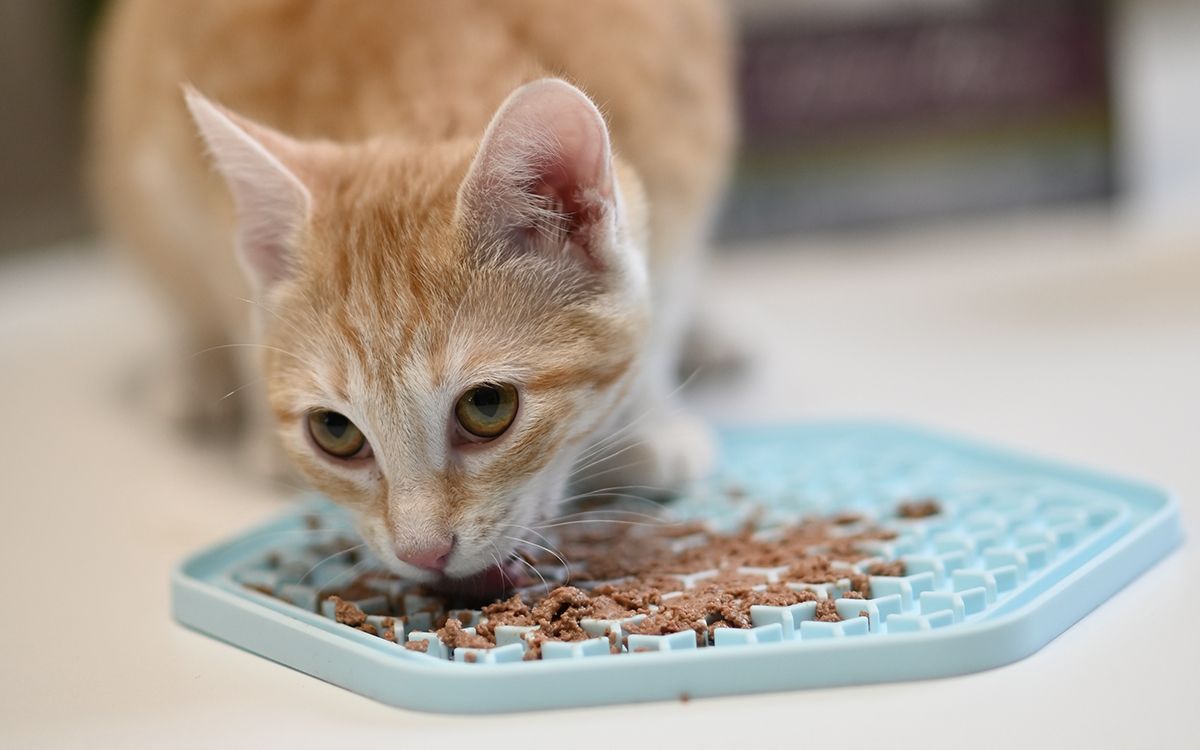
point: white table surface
(1065, 337)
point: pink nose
(431, 557)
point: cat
(466, 235)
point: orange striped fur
(402, 282)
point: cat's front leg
(195, 386)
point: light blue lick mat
(1022, 549)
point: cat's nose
(430, 557)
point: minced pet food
(654, 579)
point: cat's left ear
(272, 202)
(542, 180)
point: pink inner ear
(581, 207)
(545, 163)
(580, 158)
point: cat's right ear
(272, 202)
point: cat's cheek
(357, 489)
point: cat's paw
(661, 457)
(201, 400)
(712, 351)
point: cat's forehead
(413, 184)
(392, 282)
(389, 298)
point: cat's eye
(335, 434)
(486, 411)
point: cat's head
(448, 325)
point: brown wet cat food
(827, 611)
(861, 585)
(894, 569)
(347, 613)
(454, 636)
(511, 611)
(648, 572)
(814, 569)
(922, 508)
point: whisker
(500, 566)
(560, 558)
(600, 447)
(268, 347)
(625, 495)
(614, 435)
(602, 490)
(604, 458)
(526, 563)
(240, 388)
(321, 562)
(354, 569)
(557, 524)
(556, 552)
(607, 511)
(291, 326)
(526, 528)
(602, 472)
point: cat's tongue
(490, 583)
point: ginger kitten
(468, 232)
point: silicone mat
(1022, 549)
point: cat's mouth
(490, 583)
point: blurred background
(856, 114)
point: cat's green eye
(335, 434)
(487, 410)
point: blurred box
(860, 113)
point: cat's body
(365, 206)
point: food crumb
(861, 585)
(453, 635)
(827, 611)
(422, 646)
(347, 613)
(893, 569)
(922, 508)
